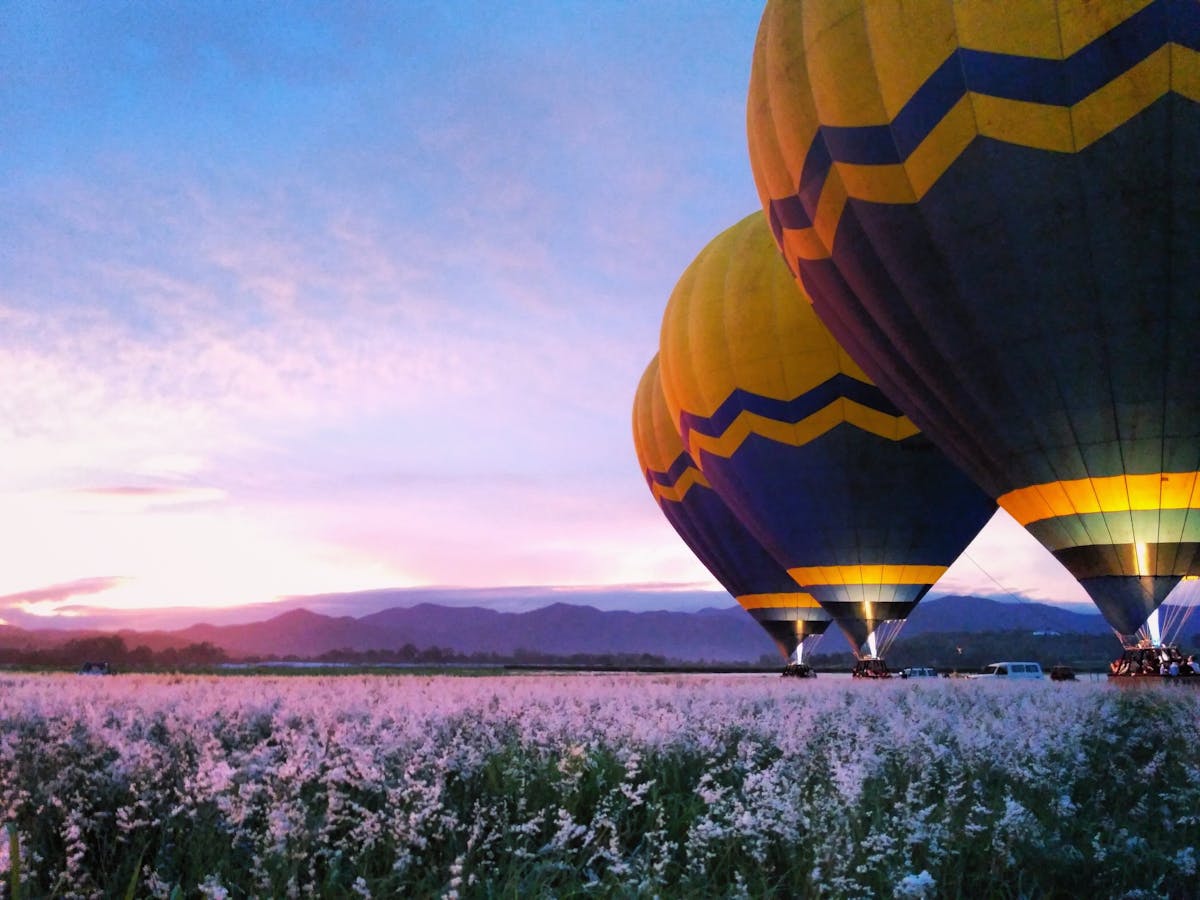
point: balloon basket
(798, 670)
(870, 667)
(1145, 660)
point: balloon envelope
(996, 207)
(863, 511)
(736, 559)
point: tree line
(113, 650)
(411, 654)
(946, 651)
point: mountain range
(717, 635)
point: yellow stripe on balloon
(1081, 22)
(1020, 122)
(1121, 99)
(1185, 72)
(808, 429)
(1115, 493)
(894, 428)
(778, 601)
(674, 493)
(812, 576)
(942, 146)
(727, 443)
(882, 184)
(807, 243)
(905, 182)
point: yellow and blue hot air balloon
(736, 559)
(996, 208)
(863, 511)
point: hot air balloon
(996, 208)
(736, 559)
(863, 511)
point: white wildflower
(1185, 861)
(915, 887)
(212, 889)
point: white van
(1011, 670)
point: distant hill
(722, 635)
(295, 633)
(725, 635)
(976, 614)
(13, 637)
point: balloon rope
(886, 633)
(1015, 597)
(1178, 609)
(996, 581)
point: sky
(333, 304)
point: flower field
(169, 786)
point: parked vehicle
(918, 672)
(1011, 670)
(1062, 673)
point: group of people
(1163, 661)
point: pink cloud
(59, 593)
(147, 497)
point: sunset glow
(301, 301)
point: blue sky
(323, 298)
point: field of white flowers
(169, 786)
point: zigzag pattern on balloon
(673, 485)
(672, 473)
(839, 400)
(1060, 105)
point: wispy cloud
(53, 600)
(146, 497)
